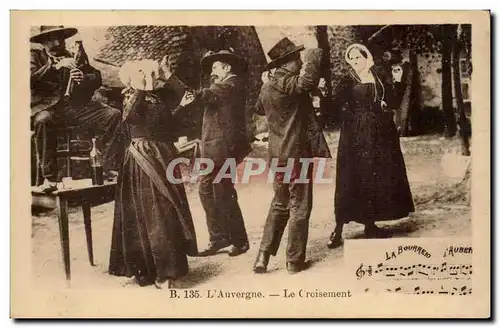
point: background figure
(153, 230)
(319, 99)
(52, 67)
(371, 182)
(403, 93)
(223, 138)
(294, 133)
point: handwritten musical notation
(415, 271)
(418, 290)
(441, 267)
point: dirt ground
(424, 160)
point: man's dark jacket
(294, 131)
(48, 85)
(224, 125)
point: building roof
(125, 43)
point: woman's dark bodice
(397, 90)
(146, 116)
(362, 97)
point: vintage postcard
(257, 164)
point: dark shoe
(164, 284)
(191, 249)
(213, 248)
(260, 265)
(235, 251)
(110, 175)
(142, 281)
(296, 267)
(335, 240)
(49, 189)
(376, 232)
(48, 186)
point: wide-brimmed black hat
(282, 52)
(52, 31)
(225, 56)
(393, 56)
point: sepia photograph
(237, 164)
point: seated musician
(54, 104)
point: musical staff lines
(442, 271)
(412, 268)
(418, 290)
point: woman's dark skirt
(153, 231)
(371, 182)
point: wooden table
(84, 196)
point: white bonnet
(135, 74)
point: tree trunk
(405, 107)
(462, 120)
(416, 96)
(466, 182)
(326, 106)
(448, 33)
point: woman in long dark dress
(371, 181)
(153, 230)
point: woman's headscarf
(140, 75)
(365, 73)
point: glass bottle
(96, 164)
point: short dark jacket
(285, 100)
(48, 85)
(224, 124)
